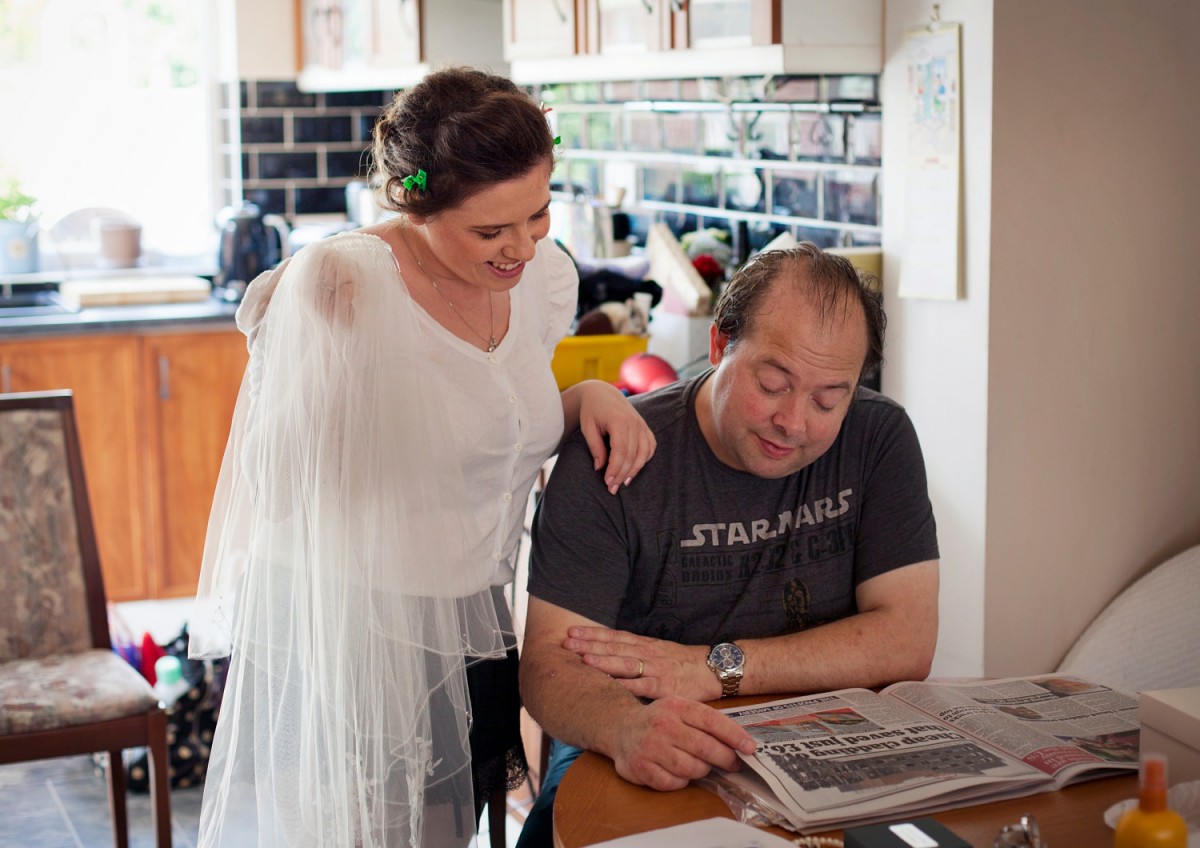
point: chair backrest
(51, 592)
(1148, 637)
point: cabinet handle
(6, 378)
(164, 378)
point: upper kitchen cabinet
(358, 45)
(714, 24)
(624, 27)
(539, 29)
(663, 39)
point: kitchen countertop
(119, 319)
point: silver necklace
(491, 342)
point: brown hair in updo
(467, 129)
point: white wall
(1059, 403)
(937, 352)
(1094, 396)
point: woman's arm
(600, 410)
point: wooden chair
(63, 690)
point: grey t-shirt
(697, 552)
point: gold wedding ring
(641, 668)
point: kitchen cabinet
(665, 39)
(540, 29)
(344, 35)
(622, 27)
(154, 411)
(191, 382)
(716, 24)
(358, 45)
(102, 371)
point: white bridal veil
(334, 570)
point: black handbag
(191, 723)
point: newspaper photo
(858, 756)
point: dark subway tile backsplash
(366, 126)
(322, 128)
(282, 95)
(268, 199)
(342, 99)
(282, 166)
(300, 149)
(262, 130)
(353, 164)
(311, 201)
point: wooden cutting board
(117, 291)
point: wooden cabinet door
(725, 23)
(102, 372)
(393, 37)
(338, 35)
(539, 29)
(617, 27)
(191, 384)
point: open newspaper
(856, 756)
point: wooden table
(595, 804)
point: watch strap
(730, 684)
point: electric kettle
(250, 243)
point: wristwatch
(727, 661)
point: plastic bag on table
(747, 797)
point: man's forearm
(865, 650)
(571, 701)
(892, 639)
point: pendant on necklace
(492, 344)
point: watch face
(726, 657)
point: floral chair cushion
(69, 689)
(41, 570)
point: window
(110, 104)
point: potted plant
(18, 229)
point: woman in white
(397, 407)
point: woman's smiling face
(486, 240)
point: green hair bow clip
(416, 180)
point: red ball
(644, 372)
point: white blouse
(505, 405)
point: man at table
(781, 540)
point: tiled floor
(63, 803)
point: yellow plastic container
(579, 358)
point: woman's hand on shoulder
(605, 412)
